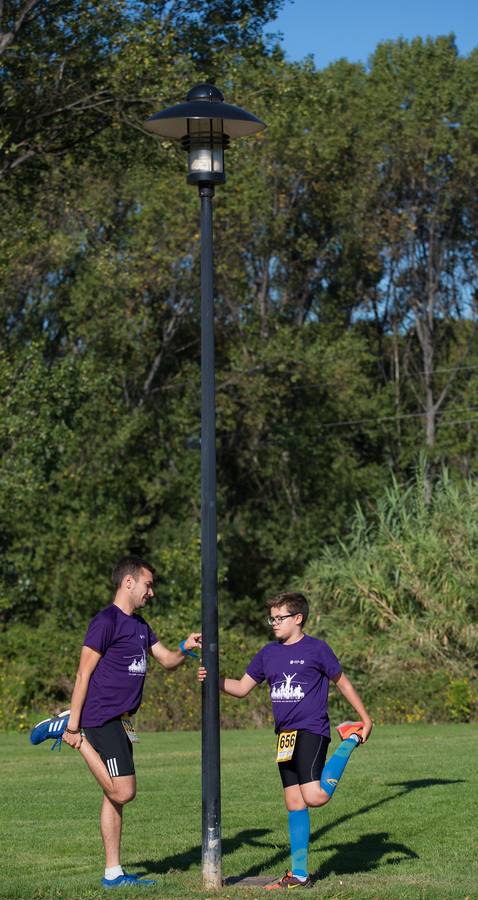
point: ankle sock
(299, 833)
(334, 768)
(112, 872)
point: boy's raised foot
(347, 729)
(288, 882)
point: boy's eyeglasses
(276, 620)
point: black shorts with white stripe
(114, 746)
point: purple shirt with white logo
(116, 685)
(298, 676)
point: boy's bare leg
(313, 795)
(293, 798)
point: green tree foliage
(420, 155)
(71, 68)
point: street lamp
(205, 125)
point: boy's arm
(237, 687)
(233, 686)
(348, 691)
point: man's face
(284, 629)
(142, 589)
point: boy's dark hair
(295, 603)
(129, 565)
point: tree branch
(7, 37)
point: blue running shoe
(125, 879)
(50, 728)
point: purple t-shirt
(116, 686)
(298, 676)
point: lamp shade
(204, 101)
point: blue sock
(334, 769)
(299, 832)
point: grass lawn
(402, 823)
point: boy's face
(290, 626)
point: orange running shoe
(288, 881)
(347, 729)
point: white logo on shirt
(138, 666)
(297, 662)
(286, 690)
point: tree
(420, 156)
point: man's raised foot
(50, 728)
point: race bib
(286, 746)
(128, 726)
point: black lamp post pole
(205, 124)
(211, 778)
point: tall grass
(400, 596)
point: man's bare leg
(111, 821)
(120, 789)
(116, 792)
(96, 766)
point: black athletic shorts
(114, 746)
(308, 760)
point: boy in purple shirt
(298, 669)
(108, 690)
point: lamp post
(205, 125)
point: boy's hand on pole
(202, 672)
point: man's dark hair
(295, 603)
(129, 565)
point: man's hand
(202, 672)
(73, 740)
(193, 642)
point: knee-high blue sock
(299, 832)
(334, 769)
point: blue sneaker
(125, 879)
(50, 728)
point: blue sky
(330, 29)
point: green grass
(402, 823)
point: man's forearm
(173, 659)
(78, 698)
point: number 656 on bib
(286, 745)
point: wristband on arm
(187, 652)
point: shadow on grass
(181, 862)
(407, 788)
(363, 855)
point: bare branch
(7, 37)
(168, 333)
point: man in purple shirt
(108, 690)
(298, 669)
